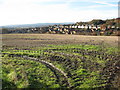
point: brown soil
(31, 40)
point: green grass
(26, 74)
(85, 61)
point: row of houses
(85, 26)
(80, 29)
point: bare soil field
(28, 40)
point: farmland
(37, 40)
(60, 61)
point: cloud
(105, 3)
(30, 11)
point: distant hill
(114, 22)
(33, 25)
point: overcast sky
(55, 11)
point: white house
(98, 26)
(86, 26)
(79, 26)
(113, 27)
(117, 27)
(70, 26)
(94, 27)
(73, 26)
(90, 26)
(82, 26)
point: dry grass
(25, 40)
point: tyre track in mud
(48, 64)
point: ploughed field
(33, 40)
(60, 61)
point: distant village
(83, 29)
(95, 27)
